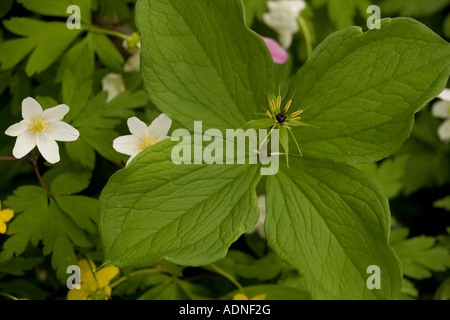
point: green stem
(96, 29)
(34, 162)
(228, 276)
(267, 137)
(6, 295)
(15, 159)
(306, 34)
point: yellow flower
(5, 216)
(241, 296)
(94, 285)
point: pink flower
(279, 55)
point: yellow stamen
(38, 126)
(296, 118)
(296, 113)
(269, 114)
(149, 140)
(287, 106)
(272, 105)
(286, 126)
(278, 104)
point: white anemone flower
(142, 136)
(259, 226)
(41, 128)
(441, 109)
(282, 17)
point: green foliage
(443, 293)
(46, 40)
(342, 13)
(419, 255)
(141, 225)
(57, 8)
(46, 220)
(387, 175)
(363, 98)
(215, 67)
(443, 203)
(413, 8)
(345, 231)
(178, 231)
(361, 102)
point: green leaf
(70, 183)
(332, 223)
(5, 6)
(240, 264)
(447, 26)
(364, 96)
(170, 291)
(254, 9)
(420, 256)
(443, 292)
(443, 203)
(258, 124)
(194, 291)
(80, 151)
(284, 141)
(76, 73)
(408, 292)
(413, 8)
(99, 114)
(203, 63)
(58, 8)
(140, 282)
(83, 210)
(18, 266)
(388, 174)
(298, 123)
(47, 40)
(342, 12)
(107, 52)
(427, 164)
(39, 219)
(101, 140)
(186, 214)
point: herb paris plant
(200, 62)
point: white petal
(444, 131)
(441, 109)
(113, 84)
(48, 148)
(126, 144)
(160, 127)
(18, 128)
(445, 95)
(132, 157)
(61, 131)
(31, 109)
(133, 63)
(55, 113)
(137, 127)
(24, 144)
(259, 226)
